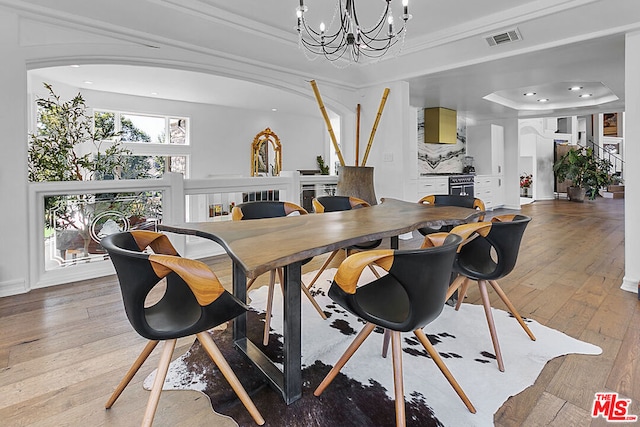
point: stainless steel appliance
(461, 185)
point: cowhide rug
(363, 394)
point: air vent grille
(504, 37)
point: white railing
(183, 200)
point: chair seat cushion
(384, 300)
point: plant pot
(576, 194)
(356, 181)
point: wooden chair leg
(375, 273)
(398, 383)
(267, 316)
(355, 344)
(482, 284)
(161, 374)
(324, 266)
(214, 352)
(385, 342)
(305, 290)
(422, 337)
(131, 373)
(454, 286)
(462, 293)
(251, 282)
(511, 308)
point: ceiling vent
(509, 36)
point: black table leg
(287, 382)
(292, 333)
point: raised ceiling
(445, 59)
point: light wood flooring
(64, 349)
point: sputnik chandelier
(350, 40)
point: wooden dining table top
(262, 245)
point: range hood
(440, 126)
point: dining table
(258, 246)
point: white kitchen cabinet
(485, 143)
(489, 189)
(432, 185)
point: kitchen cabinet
(485, 143)
(490, 189)
(432, 185)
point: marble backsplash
(441, 158)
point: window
(158, 143)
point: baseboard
(630, 285)
(13, 287)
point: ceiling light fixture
(350, 37)
(529, 94)
(575, 88)
(586, 95)
(74, 66)
(543, 100)
(88, 82)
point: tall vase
(356, 181)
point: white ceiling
(446, 59)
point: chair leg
(305, 290)
(482, 284)
(454, 286)
(375, 273)
(267, 316)
(385, 342)
(131, 373)
(462, 293)
(214, 352)
(324, 266)
(511, 308)
(161, 374)
(419, 333)
(251, 282)
(398, 383)
(355, 344)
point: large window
(158, 143)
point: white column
(631, 156)
(14, 277)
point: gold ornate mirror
(266, 154)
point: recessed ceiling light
(88, 82)
(529, 94)
(154, 93)
(586, 95)
(74, 66)
(543, 100)
(274, 109)
(575, 88)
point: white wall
(632, 153)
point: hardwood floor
(64, 349)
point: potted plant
(587, 173)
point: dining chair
(406, 299)
(489, 253)
(193, 302)
(451, 200)
(335, 204)
(273, 209)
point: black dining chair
(489, 253)
(193, 302)
(273, 209)
(335, 204)
(406, 299)
(451, 200)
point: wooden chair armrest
(467, 230)
(503, 218)
(289, 208)
(356, 202)
(157, 241)
(428, 200)
(351, 268)
(198, 276)
(433, 240)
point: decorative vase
(356, 181)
